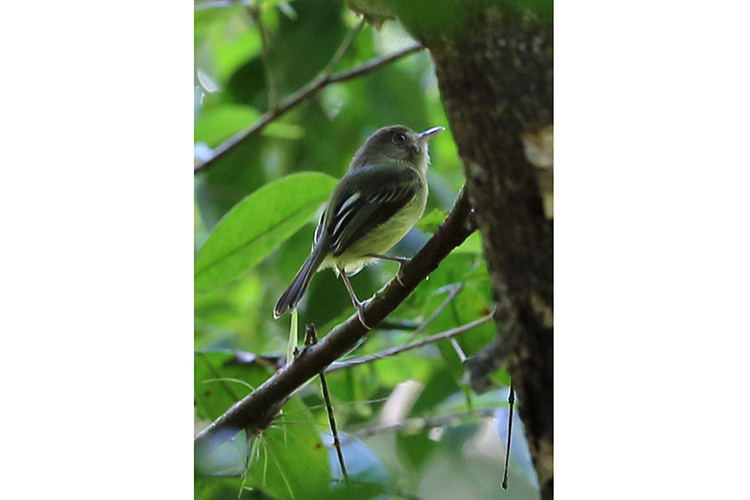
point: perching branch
(407, 347)
(257, 409)
(322, 80)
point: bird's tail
(296, 289)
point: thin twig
(511, 400)
(401, 348)
(254, 12)
(328, 70)
(311, 335)
(459, 352)
(316, 84)
(398, 324)
(451, 295)
(415, 424)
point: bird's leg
(401, 261)
(359, 305)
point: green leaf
(360, 491)
(440, 386)
(431, 221)
(453, 269)
(257, 225)
(292, 463)
(216, 488)
(224, 35)
(467, 306)
(222, 379)
(222, 122)
(472, 244)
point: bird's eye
(399, 138)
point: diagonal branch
(321, 81)
(259, 407)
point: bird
(379, 199)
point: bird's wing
(377, 198)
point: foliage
(256, 208)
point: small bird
(379, 199)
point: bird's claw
(398, 274)
(361, 315)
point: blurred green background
(444, 441)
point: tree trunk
(495, 77)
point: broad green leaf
(292, 463)
(216, 488)
(257, 225)
(222, 379)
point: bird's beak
(427, 134)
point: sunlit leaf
(431, 221)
